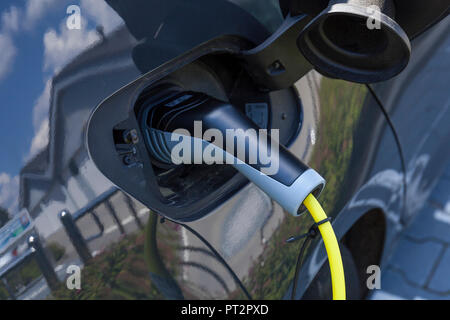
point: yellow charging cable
(325, 228)
(331, 246)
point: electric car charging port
(220, 77)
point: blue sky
(21, 85)
(34, 45)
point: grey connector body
(174, 120)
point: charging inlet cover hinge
(277, 63)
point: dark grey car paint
(344, 136)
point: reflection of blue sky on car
(33, 51)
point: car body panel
(249, 230)
(344, 136)
(418, 104)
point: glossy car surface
(377, 178)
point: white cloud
(9, 23)
(59, 48)
(41, 106)
(62, 46)
(8, 53)
(4, 178)
(9, 192)
(35, 10)
(40, 140)
(26, 18)
(40, 122)
(10, 19)
(101, 13)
